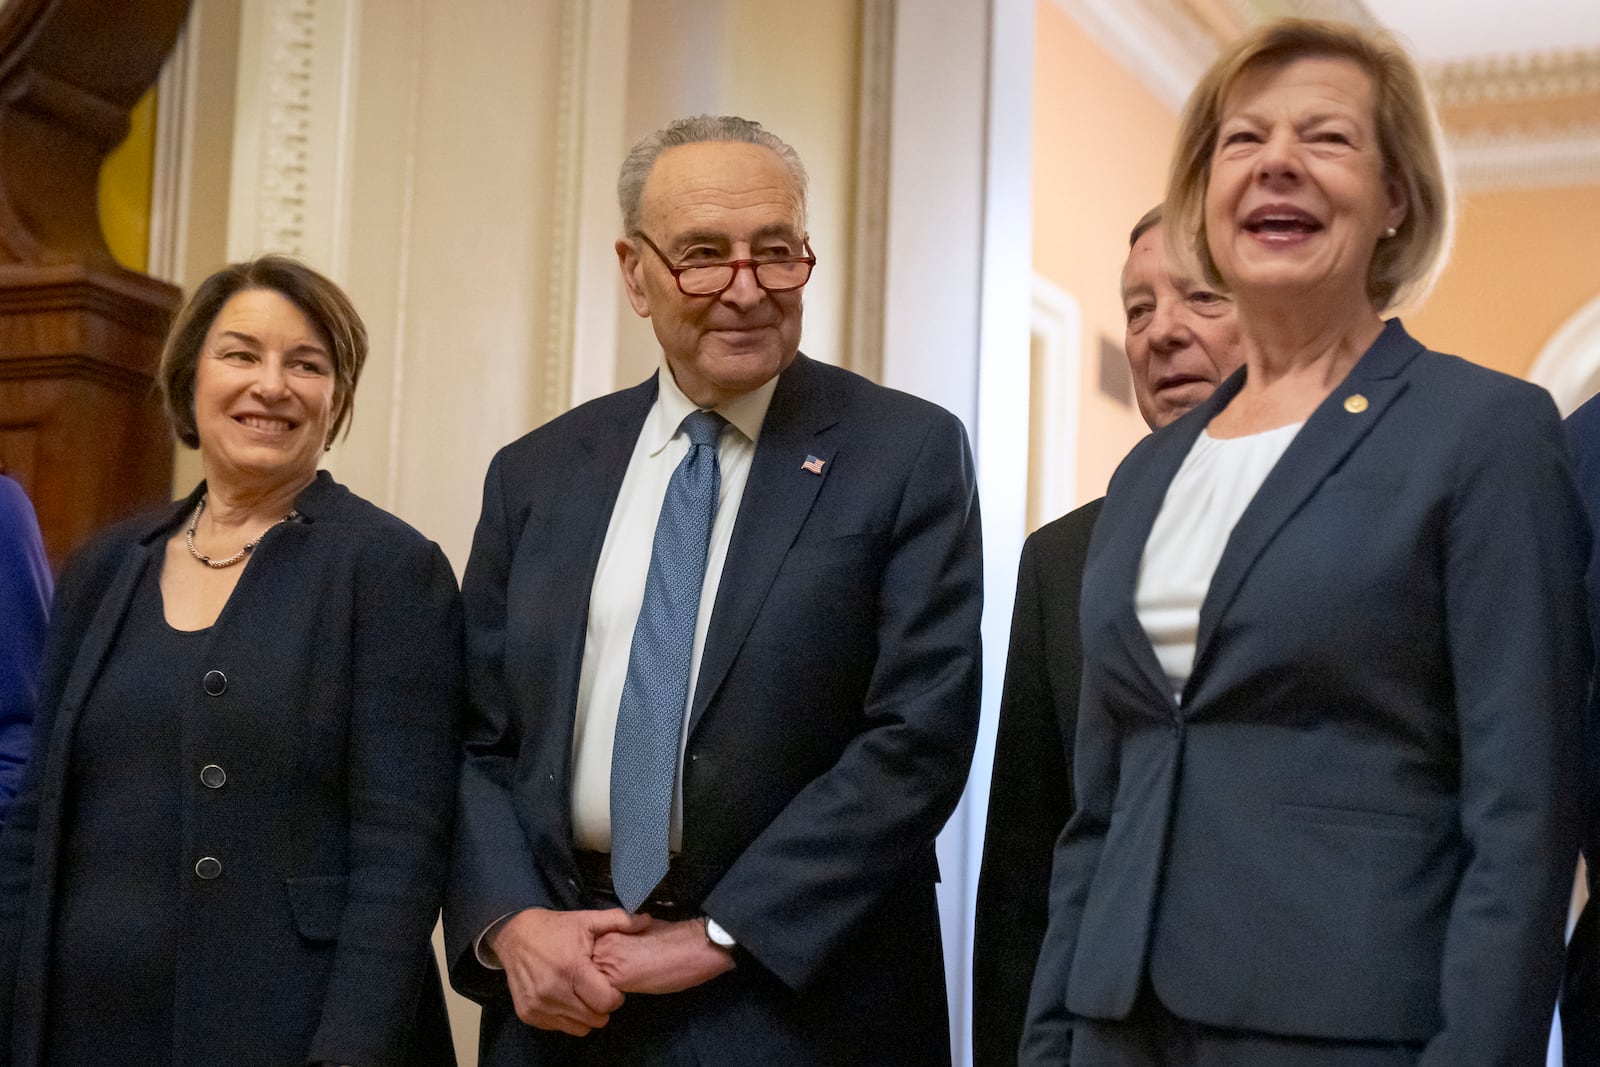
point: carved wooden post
(80, 425)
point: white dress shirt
(618, 590)
(1218, 479)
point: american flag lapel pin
(813, 464)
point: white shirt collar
(746, 412)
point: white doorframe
(1569, 363)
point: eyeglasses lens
(776, 276)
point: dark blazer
(1361, 822)
(24, 611)
(1580, 994)
(340, 651)
(1030, 793)
(829, 739)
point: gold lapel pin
(1355, 403)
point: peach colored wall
(1524, 262)
(1100, 147)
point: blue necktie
(644, 757)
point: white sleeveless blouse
(1211, 490)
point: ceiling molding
(1255, 12)
(1526, 158)
(1168, 44)
(1160, 42)
(1516, 78)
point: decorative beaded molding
(1526, 158)
(1516, 78)
(294, 117)
(286, 128)
(577, 358)
(869, 249)
(553, 374)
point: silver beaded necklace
(218, 564)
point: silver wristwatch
(719, 937)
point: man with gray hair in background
(1181, 341)
(723, 648)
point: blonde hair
(1403, 267)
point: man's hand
(664, 957)
(555, 984)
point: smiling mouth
(265, 423)
(1280, 221)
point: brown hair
(323, 302)
(1403, 267)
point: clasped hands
(569, 970)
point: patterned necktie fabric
(644, 756)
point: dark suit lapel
(145, 551)
(1123, 549)
(1335, 428)
(97, 642)
(604, 449)
(777, 498)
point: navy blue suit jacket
(1580, 995)
(341, 648)
(24, 612)
(830, 736)
(1361, 821)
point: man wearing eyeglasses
(723, 632)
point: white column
(1004, 366)
(956, 327)
(292, 132)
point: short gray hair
(700, 129)
(1147, 222)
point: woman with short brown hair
(230, 844)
